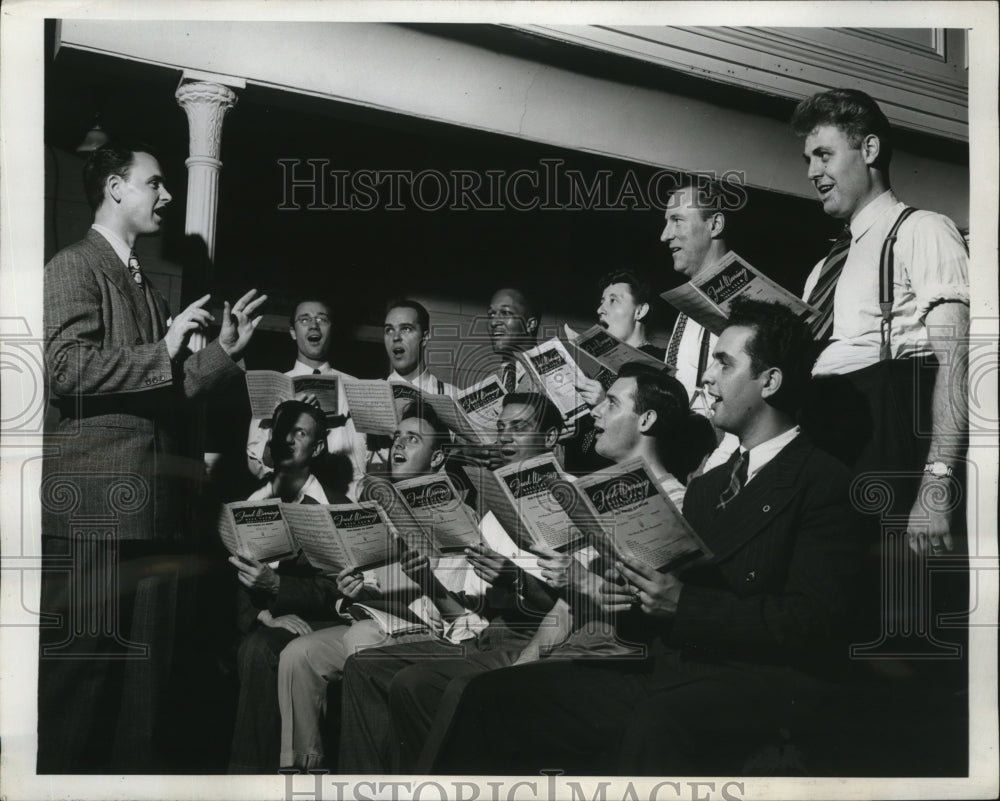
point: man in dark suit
(121, 376)
(738, 647)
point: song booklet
(554, 370)
(599, 352)
(637, 519)
(268, 388)
(332, 536)
(525, 499)
(708, 296)
(377, 406)
(427, 511)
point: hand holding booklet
(333, 536)
(708, 296)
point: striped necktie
(133, 267)
(508, 377)
(739, 465)
(675, 341)
(822, 293)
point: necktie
(316, 371)
(822, 293)
(508, 377)
(133, 268)
(675, 341)
(738, 462)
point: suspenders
(885, 288)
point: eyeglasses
(306, 319)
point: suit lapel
(117, 275)
(758, 502)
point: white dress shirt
(342, 439)
(688, 359)
(759, 455)
(931, 267)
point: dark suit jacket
(787, 551)
(118, 450)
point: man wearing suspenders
(405, 333)
(893, 288)
(890, 382)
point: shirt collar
(311, 487)
(425, 375)
(122, 250)
(301, 368)
(866, 218)
(759, 455)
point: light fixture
(95, 138)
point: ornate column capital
(205, 104)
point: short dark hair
(423, 316)
(707, 193)
(853, 112)
(425, 412)
(290, 411)
(528, 300)
(780, 339)
(638, 286)
(657, 391)
(547, 416)
(690, 444)
(309, 299)
(114, 158)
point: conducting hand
(238, 323)
(193, 318)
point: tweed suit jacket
(119, 451)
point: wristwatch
(938, 470)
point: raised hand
(193, 318)
(239, 323)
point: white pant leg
(307, 665)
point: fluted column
(206, 105)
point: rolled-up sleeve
(936, 263)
